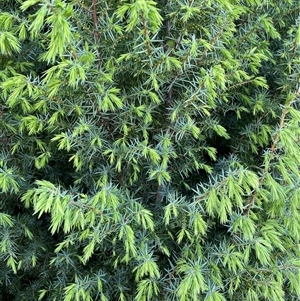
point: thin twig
(96, 23)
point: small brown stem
(96, 23)
(95, 20)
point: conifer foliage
(150, 150)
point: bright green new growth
(150, 150)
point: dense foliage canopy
(149, 150)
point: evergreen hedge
(149, 150)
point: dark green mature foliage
(150, 151)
